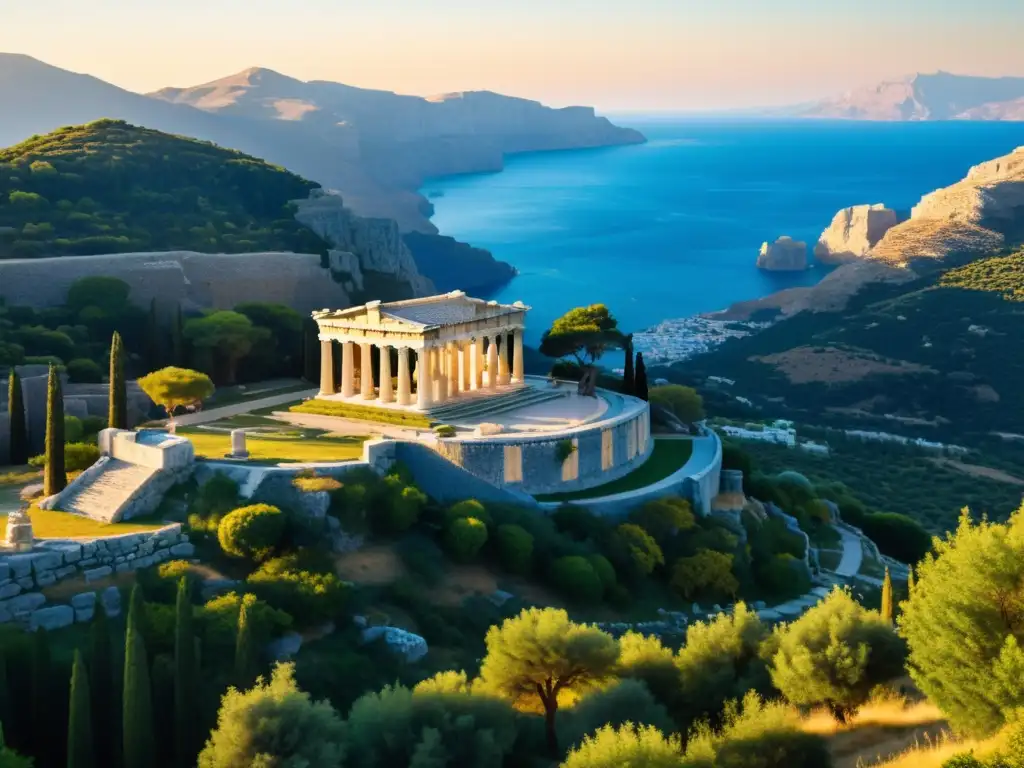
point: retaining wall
(536, 467)
(170, 453)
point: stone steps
(101, 498)
(493, 405)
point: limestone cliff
(853, 232)
(784, 255)
(452, 265)
(379, 262)
(196, 280)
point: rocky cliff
(452, 265)
(784, 255)
(853, 232)
(938, 96)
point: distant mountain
(939, 96)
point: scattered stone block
(54, 617)
(84, 600)
(83, 615)
(284, 647)
(111, 599)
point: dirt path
(213, 414)
(977, 470)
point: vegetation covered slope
(110, 187)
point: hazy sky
(615, 54)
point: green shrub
(251, 532)
(363, 412)
(310, 597)
(217, 622)
(630, 746)
(423, 558)
(897, 536)
(464, 537)
(73, 429)
(316, 484)
(563, 450)
(637, 549)
(84, 371)
(782, 576)
(77, 456)
(91, 426)
(575, 578)
(515, 548)
(160, 584)
(627, 701)
(707, 573)
(467, 508)
(578, 522)
(664, 518)
(605, 571)
(399, 506)
(444, 430)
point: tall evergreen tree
(6, 711)
(245, 652)
(185, 679)
(640, 378)
(154, 347)
(117, 406)
(102, 685)
(42, 689)
(54, 476)
(138, 742)
(310, 351)
(18, 429)
(80, 725)
(178, 338)
(628, 377)
(887, 607)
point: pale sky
(618, 55)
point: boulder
(784, 255)
(284, 647)
(111, 599)
(54, 617)
(853, 232)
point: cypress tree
(80, 747)
(154, 353)
(245, 656)
(178, 338)
(42, 726)
(310, 351)
(101, 688)
(137, 705)
(887, 609)
(640, 378)
(185, 678)
(18, 428)
(117, 407)
(54, 476)
(628, 377)
(6, 713)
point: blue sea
(672, 228)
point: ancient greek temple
(420, 353)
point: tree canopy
(173, 387)
(584, 333)
(682, 401)
(111, 187)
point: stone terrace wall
(23, 575)
(541, 472)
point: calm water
(672, 228)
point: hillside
(938, 96)
(110, 187)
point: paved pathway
(853, 553)
(213, 414)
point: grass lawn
(20, 475)
(667, 457)
(362, 412)
(275, 450)
(50, 524)
(234, 395)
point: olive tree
(173, 387)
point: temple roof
(429, 312)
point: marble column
(387, 392)
(366, 369)
(327, 386)
(454, 372)
(517, 356)
(492, 362)
(474, 364)
(423, 379)
(404, 383)
(503, 360)
(348, 371)
(438, 388)
(464, 365)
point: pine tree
(310, 351)
(628, 377)
(245, 656)
(178, 338)
(18, 429)
(117, 407)
(185, 679)
(80, 727)
(640, 378)
(42, 725)
(887, 608)
(137, 705)
(154, 351)
(102, 688)
(54, 476)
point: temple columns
(366, 371)
(327, 386)
(474, 365)
(492, 362)
(404, 382)
(387, 392)
(517, 356)
(348, 373)
(439, 387)
(464, 351)
(424, 378)
(503, 360)
(454, 371)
